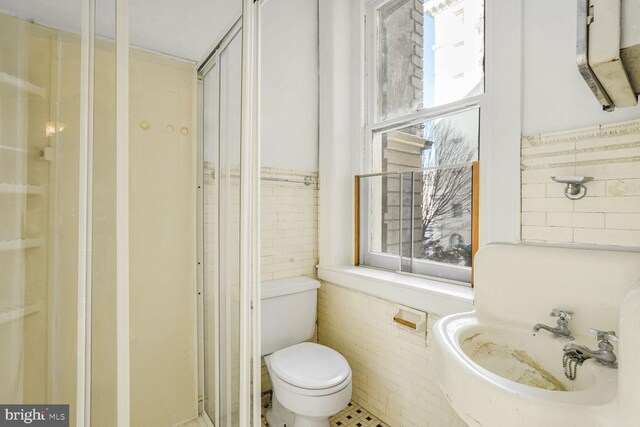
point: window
(426, 85)
(457, 210)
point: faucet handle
(604, 335)
(562, 314)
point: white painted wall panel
(289, 84)
(555, 95)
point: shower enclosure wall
(99, 180)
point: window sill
(432, 296)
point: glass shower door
(221, 234)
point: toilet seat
(310, 369)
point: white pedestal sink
(496, 375)
(495, 371)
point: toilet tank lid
(290, 285)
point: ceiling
(186, 29)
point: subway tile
(541, 150)
(548, 161)
(588, 220)
(555, 189)
(559, 219)
(628, 238)
(536, 176)
(612, 153)
(629, 221)
(541, 204)
(608, 204)
(596, 188)
(623, 187)
(609, 171)
(551, 234)
(534, 190)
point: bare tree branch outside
(446, 194)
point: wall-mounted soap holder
(575, 189)
(410, 319)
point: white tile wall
(289, 221)
(610, 213)
(392, 373)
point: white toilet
(310, 382)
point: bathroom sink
(516, 355)
(497, 374)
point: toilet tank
(288, 312)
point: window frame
(460, 275)
(431, 269)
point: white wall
(631, 24)
(555, 95)
(289, 84)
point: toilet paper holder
(413, 320)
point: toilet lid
(309, 365)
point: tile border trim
(602, 131)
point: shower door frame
(85, 213)
(210, 65)
(250, 331)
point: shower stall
(129, 191)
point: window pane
(380, 221)
(447, 140)
(428, 54)
(443, 204)
(419, 222)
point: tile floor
(351, 416)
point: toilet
(311, 382)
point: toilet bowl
(310, 383)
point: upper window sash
(445, 91)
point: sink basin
(495, 374)
(522, 357)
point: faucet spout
(561, 330)
(539, 326)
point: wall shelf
(16, 149)
(22, 85)
(6, 188)
(17, 313)
(19, 244)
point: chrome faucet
(604, 355)
(562, 329)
